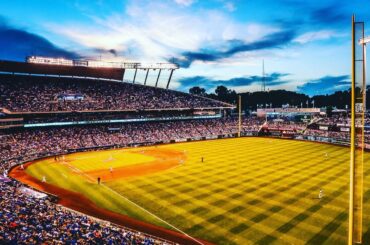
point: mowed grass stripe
(254, 177)
(185, 202)
(249, 190)
(218, 216)
(217, 190)
(325, 233)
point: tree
(329, 111)
(274, 98)
(222, 91)
(277, 98)
(197, 91)
(224, 94)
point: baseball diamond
(246, 191)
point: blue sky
(305, 44)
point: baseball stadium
(108, 152)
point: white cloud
(185, 3)
(142, 33)
(230, 6)
(146, 35)
(248, 32)
(290, 85)
(315, 36)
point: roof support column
(159, 74)
(146, 77)
(169, 79)
(134, 76)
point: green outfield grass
(247, 190)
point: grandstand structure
(64, 92)
(115, 71)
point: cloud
(325, 85)
(143, 34)
(272, 79)
(320, 86)
(16, 44)
(274, 40)
(230, 6)
(112, 52)
(315, 36)
(185, 3)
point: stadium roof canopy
(36, 65)
(61, 70)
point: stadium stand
(20, 143)
(39, 99)
(27, 219)
(47, 94)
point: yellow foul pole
(358, 108)
(240, 116)
(353, 135)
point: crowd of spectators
(345, 136)
(336, 127)
(18, 144)
(286, 125)
(27, 219)
(46, 94)
(333, 120)
(340, 120)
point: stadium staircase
(313, 121)
(262, 125)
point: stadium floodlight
(364, 40)
(99, 63)
(358, 109)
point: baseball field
(229, 191)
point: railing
(131, 120)
(336, 141)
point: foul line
(135, 204)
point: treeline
(278, 98)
